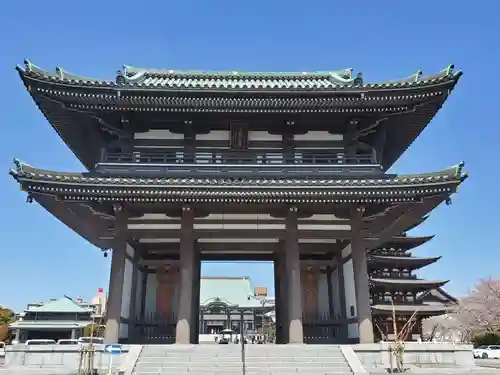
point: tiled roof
(421, 309)
(49, 324)
(235, 80)
(62, 305)
(398, 260)
(400, 282)
(233, 291)
(454, 173)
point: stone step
(270, 360)
(235, 371)
(139, 367)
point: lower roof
(421, 310)
(406, 284)
(238, 189)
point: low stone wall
(62, 358)
(417, 355)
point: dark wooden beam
(239, 233)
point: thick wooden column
(329, 287)
(342, 298)
(279, 293)
(132, 314)
(195, 330)
(361, 278)
(116, 279)
(292, 266)
(144, 288)
(187, 259)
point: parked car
(40, 342)
(487, 351)
(93, 340)
(68, 342)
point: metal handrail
(237, 158)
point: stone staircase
(226, 360)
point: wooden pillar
(116, 280)
(361, 278)
(132, 315)
(292, 266)
(144, 289)
(278, 295)
(342, 299)
(329, 287)
(196, 298)
(187, 258)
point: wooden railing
(250, 157)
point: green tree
(488, 338)
(6, 315)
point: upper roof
(87, 113)
(61, 305)
(232, 291)
(131, 77)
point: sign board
(113, 349)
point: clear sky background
(41, 258)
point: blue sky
(41, 258)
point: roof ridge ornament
(60, 72)
(120, 78)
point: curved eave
(406, 284)
(416, 224)
(71, 186)
(406, 242)
(78, 219)
(407, 262)
(422, 310)
(165, 80)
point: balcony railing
(238, 158)
(251, 162)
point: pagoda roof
(406, 284)
(86, 113)
(398, 261)
(421, 309)
(406, 242)
(91, 187)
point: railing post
(104, 154)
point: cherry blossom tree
(479, 311)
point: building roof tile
(61, 305)
(235, 80)
(233, 291)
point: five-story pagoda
(185, 166)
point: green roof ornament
(417, 75)
(449, 69)
(358, 81)
(120, 78)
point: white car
(487, 351)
